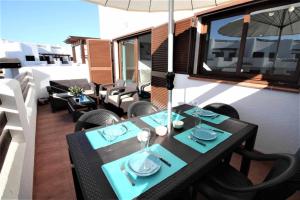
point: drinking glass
(144, 137)
(197, 109)
(162, 118)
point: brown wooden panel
(100, 61)
(159, 48)
(184, 47)
(159, 92)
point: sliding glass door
(135, 59)
(128, 60)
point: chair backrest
(130, 87)
(223, 109)
(287, 188)
(141, 108)
(95, 118)
(120, 83)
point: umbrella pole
(277, 48)
(170, 75)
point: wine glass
(162, 118)
(197, 109)
(144, 137)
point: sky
(47, 21)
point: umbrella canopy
(273, 23)
(159, 6)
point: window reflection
(273, 42)
(222, 51)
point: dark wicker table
(76, 108)
(94, 185)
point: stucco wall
(42, 75)
(115, 23)
(276, 113)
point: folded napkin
(121, 185)
(160, 118)
(98, 141)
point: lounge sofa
(58, 91)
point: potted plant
(76, 91)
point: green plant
(75, 90)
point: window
(273, 32)
(265, 42)
(220, 51)
(30, 58)
(43, 58)
(258, 55)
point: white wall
(42, 75)
(115, 23)
(276, 113)
(12, 49)
(16, 177)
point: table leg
(249, 145)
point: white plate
(204, 134)
(206, 113)
(115, 131)
(136, 164)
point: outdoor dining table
(88, 160)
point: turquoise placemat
(97, 141)
(155, 120)
(217, 120)
(121, 185)
(183, 137)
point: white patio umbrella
(268, 23)
(160, 6)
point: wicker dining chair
(141, 108)
(223, 109)
(95, 118)
(225, 182)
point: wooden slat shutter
(100, 61)
(159, 51)
(183, 57)
(184, 46)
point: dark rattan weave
(94, 184)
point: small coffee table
(77, 105)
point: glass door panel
(128, 64)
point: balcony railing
(5, 138)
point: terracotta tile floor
(52, 175)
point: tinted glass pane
(30, 58)
(273, 41)
(223, 48)
(128, 62)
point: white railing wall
(16, 177)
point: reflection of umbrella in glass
(158, 6)
(272, 23)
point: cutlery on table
(155, 120)
(102, 134)
(196, 140)
(214, 117)
(128, 176)
(127, 129)
(161, 159)
(215, 130)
